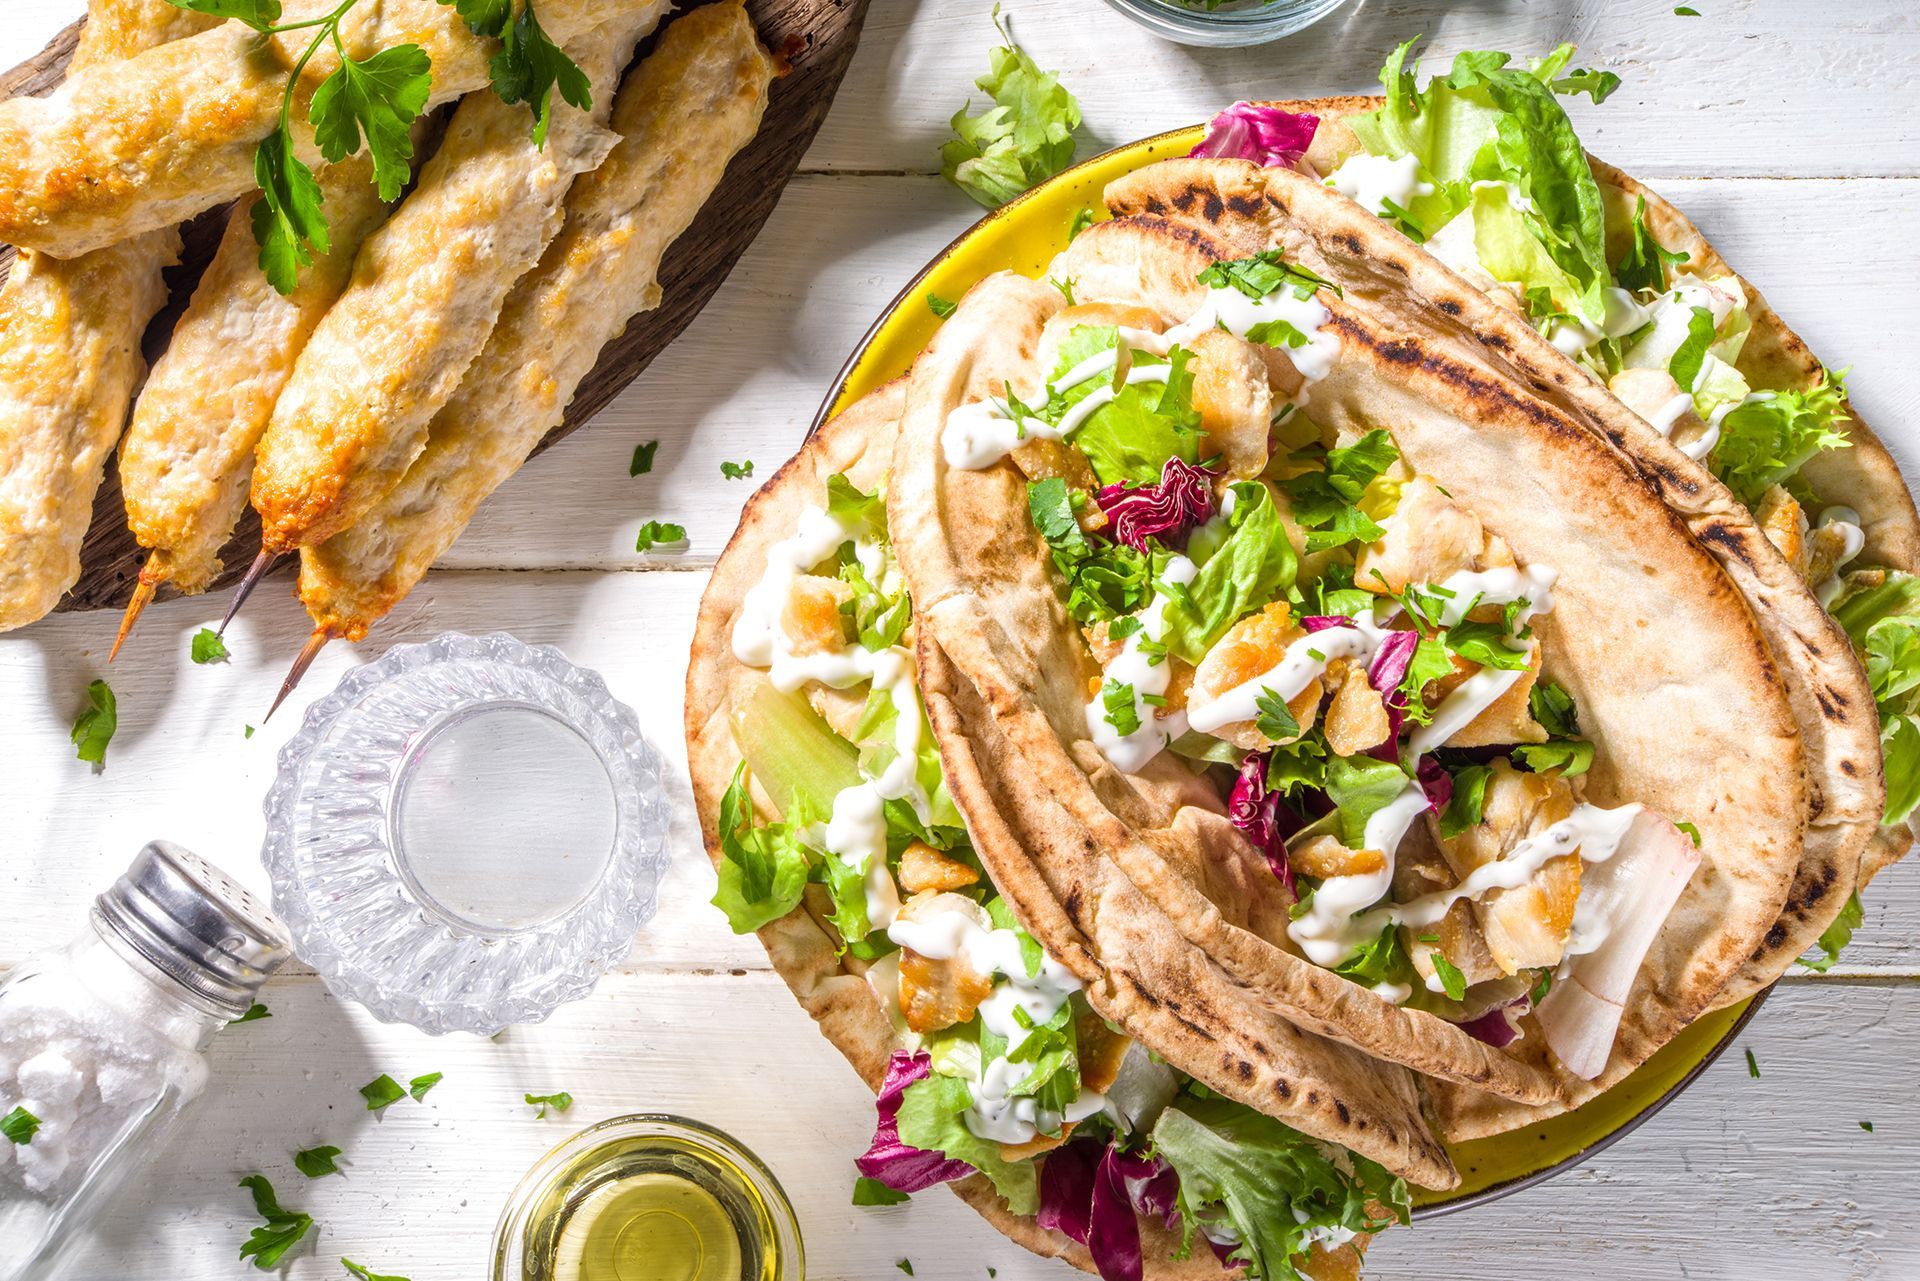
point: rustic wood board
(816, 37)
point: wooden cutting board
(816, 37)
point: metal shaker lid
(195, 925)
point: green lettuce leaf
(1130, 438)
(1765, 442)
(1269, 1183)
(763, 867)
(1900, 752)
(1361, 786)
(1644, 267)
(1384, 960)
(1249, 568)
(1836, 936)
(931, 1119)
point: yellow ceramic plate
(1024, 236)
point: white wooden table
(1787, 130)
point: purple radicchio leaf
(1264, 135)
(900, 1167)
(1066, 1188)
(1321, 622)
(1168, 510)
(1259, 814)
(1435, 782)
(1384, 674)
(1499, 1025)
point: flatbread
(1320, 1088)
(1681, 646)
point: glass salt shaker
(102, 1043)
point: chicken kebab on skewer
(426, 289)
(681, 116)
(70, 358)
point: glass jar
(102, 1044)
(1225, 22)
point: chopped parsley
(1276, 719)
(208, 647)
(364, 1274)
(94, 728)
(249, 733)
(1693, 833)
(266, 1244)
(737, 471)
(1451, 979)
(316, 1163)
(1837, 935)
(1753, 1066)
(1083, 218)
(419, 1086)
(1260, 275)
(659, 535)
(643, 458)
(1685, 11)
(559, 1102)
(1065, 287)
(905, 1265)
(868, 1191)
(255, 1011)
(1324, 501)
(381, 1092)
(1122, 713)
(942, 308)
(18, 1126)
(1468, 803)
(1026, 136)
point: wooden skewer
(308, 652)
(151, 576)
(254, 573)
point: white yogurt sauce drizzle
(1149, 677)
(1374, 181)
(980, 433)
(996, 1115)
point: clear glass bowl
(466, 834)
(595, 1164)
(1235, 22)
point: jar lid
(195, 925)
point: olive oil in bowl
(649, 1198)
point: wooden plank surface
(1758, 118)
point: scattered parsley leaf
(1867, 1126)
(316, 1163)
(873, 1192)
(382, 1091)
(1541, 986)
(283, 1228)
(1025, 137)
(643, 458)
(94, 728)
(905, 1265)
(364, 1274)
(419, 1086)
(1693, 833)
(1065, 287)
(1468, 803)
(379, 98)
(208, 647)
(1260, 275)
(530, 66)
(1082, 219)
(559, 1102)
(1276, 719)
(254, 1011)
(1451, 979)
(1685, 11)
(1571, 756)
(18, 1126)
(940, 307)
(249, 733)
(1753, 1066)
(659, 534)
(1553, 708)
(1117, 697)
(737, 471)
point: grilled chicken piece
(936, 994)
(1252, 646)
(923, 868)
(1526, 927)
(1785, 525)
(1650, 393)
(1429, 536)
(1323, 856)
(1507, 719)
(811, 617)
(1043, 458)
(1418, 869)
(1235, 401)
(1357, 716)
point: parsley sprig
(282, 1230)
(377, 99)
